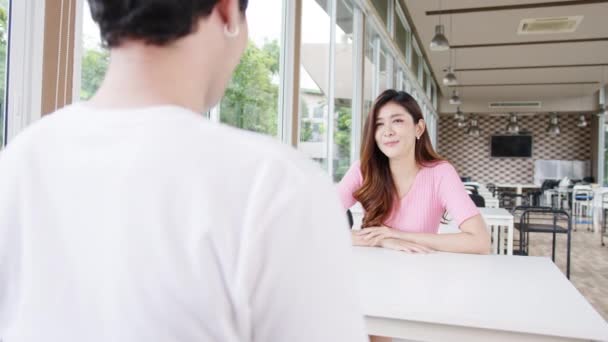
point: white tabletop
(421, 297)
(516, 185)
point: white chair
(582, 206)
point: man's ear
(230, 13)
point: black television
(511, 146)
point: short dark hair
(156, 22)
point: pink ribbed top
(435, 189)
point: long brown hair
(378, 192)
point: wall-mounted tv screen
(519, 146)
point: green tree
(94, 66)
(251, 99)
(342, 140)
(305, 126)
(3, 42)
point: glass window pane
(314, 71)
(369, 71)
(95, 58)
(251, 100)
(415, 63)
(401, 37)
(425, 80)
(383, 77)
(343, 89)
(4, 32)
(382, 8)
(605, 154)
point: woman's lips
(391, 143)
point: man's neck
(140, 76)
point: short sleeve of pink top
(436, 189)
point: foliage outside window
(3, 44)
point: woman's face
(396, 131)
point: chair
(508, 200)
(479, 201)
(533, 220)
(604, 224)
(349, 216)
(471, 189)
(589, 180)
(536, 196)
(582, 197)
(604, 231)
(491, 188)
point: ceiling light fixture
(553, 127)
(513, 126)
(582, 122)
(455, 99)
(473, 129)
(439, 41)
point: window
(383, 76)
(4, 32)
(319, 111)
(605, 154)
(382, 9)
(369, 74)
(95, 58)
(425, 79)
(402, 33)
(314, 71)
(343, 62)
(415, 63)
(251, 100)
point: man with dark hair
(131, 218)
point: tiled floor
(589, 263)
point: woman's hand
(358, 240)
(405, 246)
(375, 235)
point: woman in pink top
(405, 187)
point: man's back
(155, 224)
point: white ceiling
(501, 27)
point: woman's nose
(388, 131)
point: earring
(417, 137)
(231, 34)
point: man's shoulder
(258, 151)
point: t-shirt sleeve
(300, 271)
(350, 183)
(453, 195)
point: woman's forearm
(473, 238)
(456, 243)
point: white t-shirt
(158, 225)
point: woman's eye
(378, 124)
(398, 120)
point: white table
(491, 202)
(518, 188)
(461, 297)
(500, 225)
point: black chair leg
(521, 242)
(568, 255)
(553, 246)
